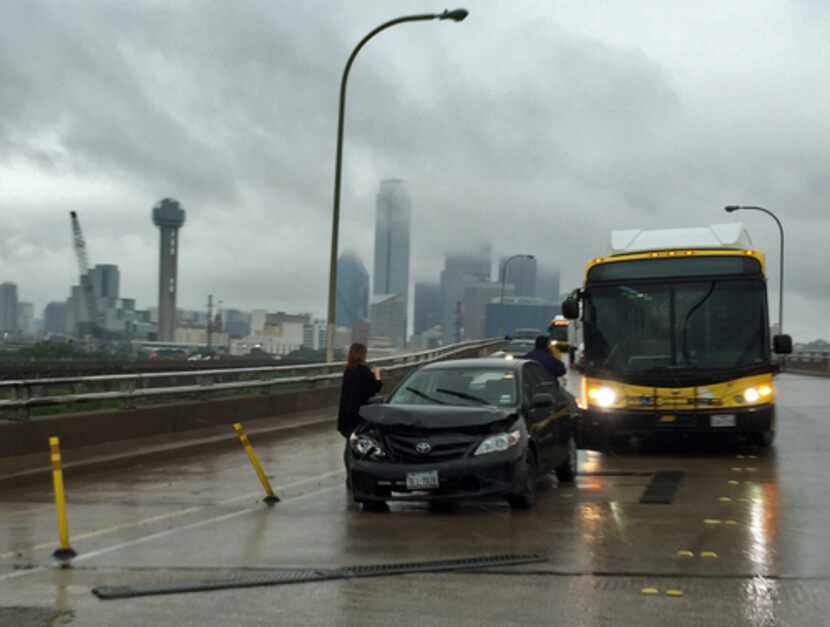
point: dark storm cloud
(537, 128)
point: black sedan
(466, 428)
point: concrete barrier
(108, 426)
(818, 365)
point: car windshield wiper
(463, 395)
(423, 395)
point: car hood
(433, 416)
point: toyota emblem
(423, 448)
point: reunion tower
(169, 217)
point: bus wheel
(763, 439)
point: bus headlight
(755, 394)
(604, 396)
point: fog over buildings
(619, 115)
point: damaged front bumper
(493, 474)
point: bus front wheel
(764, 439)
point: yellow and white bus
(560, 331)
(676, 337)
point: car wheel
(441, 507)
(527, 498)
(372, 505)
(566, 471)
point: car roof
(484, 362)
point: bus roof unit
(726, 236)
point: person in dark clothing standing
(541, 353)
(359, 385)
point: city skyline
(633, 130)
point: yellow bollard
(270, 497)
(65, 552)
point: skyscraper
(428, 311)
(106, 282)
(476, 298)
(461, 270)
(352, 290)
(54, 318)
(26, 318)
(392, 236)
(8, 307)
(169, 217)
(388, 313)
(521, 274)
(547, 285)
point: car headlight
(604, 396)
(365, 446)
(498, 443)
(508, 356)
(755, 394)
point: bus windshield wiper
(689, 314)
(423, 395)
(463, 395)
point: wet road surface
(745, 540)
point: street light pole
(504, 272)
(732, 208)
(457, 15)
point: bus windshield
(706, 325)
(559, 332)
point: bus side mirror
(782, 344)
(570, 308)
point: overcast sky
(538, 126)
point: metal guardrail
(18, 397)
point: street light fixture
(456, 15)
(732, 209)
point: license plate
(422, 480)
(723, 420)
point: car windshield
(717, 324)
(458, 386)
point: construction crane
(86, 280)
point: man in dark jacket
(541, 353)
(359, 385)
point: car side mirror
(542, 400)
(376, 400)
(570, 308)
(782, 344)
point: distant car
(465, 428)
(515, 349)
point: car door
(540, 419)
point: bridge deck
(198, 515)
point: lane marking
(649, 591)
(34, 510)
(168, 516)
(674, 593)
(163, 534)
(685, 553)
